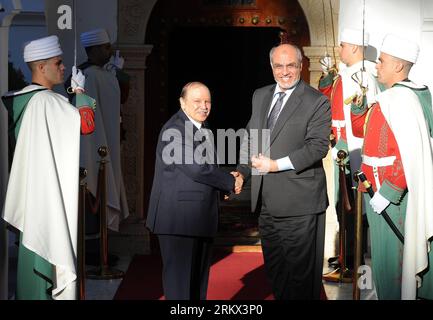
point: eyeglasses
(281, 67)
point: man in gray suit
(288, 184)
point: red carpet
(233, 276)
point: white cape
(404, 114)
(42, 195)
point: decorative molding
(135, 55)
(133, 15)
(323, 38)
(133, 122)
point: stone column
(133, 237)
(132, 20)
(322, 18)
(133, 120)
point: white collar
(369, 67)
(411, 85)
(27, 89)
(196, 123)
(288, 92)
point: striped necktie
(272, 119)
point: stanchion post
(103, 272)
(358, 245)
(81, 242)
(342, 274)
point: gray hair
(190, 85)
(298, 52)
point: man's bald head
(286, 63)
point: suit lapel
(292, 104)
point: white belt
(376, 162)
(339, 123)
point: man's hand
(379, 203)
(264, 164)
(78, 80)
(239, 181)
(326, 64)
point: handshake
(239, 182)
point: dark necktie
(272, 119)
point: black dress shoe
(333, 259)
(334, 264)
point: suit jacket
(302, 133)
(184, 197)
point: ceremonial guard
(356, 75)
(104, 86)
(42, 194)
(397, 161)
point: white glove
(326, 63)
(117, 60)
(379, 203)
(78, 80)
(334, 152)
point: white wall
(408, 18)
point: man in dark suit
(183, 208)
(288, 180)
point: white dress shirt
(285, 163)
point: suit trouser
(186, 264)
(293, 248)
